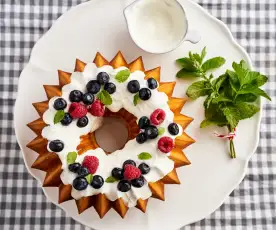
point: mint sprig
(231, 97)
(59, 115)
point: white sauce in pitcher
(157, 26)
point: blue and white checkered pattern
(22, 203)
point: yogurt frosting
(160, 164)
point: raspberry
(77, 110)
(91, 163)
(97, 109)
(131, 172)
(157, 117)
(165, 144)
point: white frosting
(160, 164)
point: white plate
(99, 25)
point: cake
(68, 151)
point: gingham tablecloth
(22, 203)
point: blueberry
(97, 182)
(144, 94)
(144, 168)
(80, 183)
(173, 129)
(118, 173)
(151, 132)
(88, 98)
(82, 122)
(93, 86)
(74, 167)
(138, 183)
(133, 86)
(152, 83)
(56, 146)
(75, 96)
(66, 120)
(83, 171)
(129, 162)
(103, 78)
(141, 138)
(124, 186)
(143, 122)
(60, 104)
(110, 87)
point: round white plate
(99, 25)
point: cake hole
(112, 135)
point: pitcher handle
(193, 36)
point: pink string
(229, 136)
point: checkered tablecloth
(22, 203)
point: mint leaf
(203, 54)
(59, 116)
(219, 81)
(249, 97)
(183, 73)
(198, 89)
(213, 113)
(197, 58)
(161, 131)
(234, 80)
(89, 178)
(71, 157)
(234, 83)
(245, 76)
(206, 123)
(136, 99)
(111, 179)
(144, 156)
(188, 64)
(207, 102)
(221, 98)
(260, 80)
(247, 110)
(257, 79)
(105, 97)
(122, 75)
(213, 63)
(255, 91)
(244, 65)
(232, 115)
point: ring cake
(69, 153)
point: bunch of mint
(230, 98)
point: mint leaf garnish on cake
(161, 131)
(231, 97)
(111, 179)
(89, 178)
(144, 156)
(71, 157)
(59, 116)
(122, 75)
(136, 99)
(105, 97)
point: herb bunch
(231, 97)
